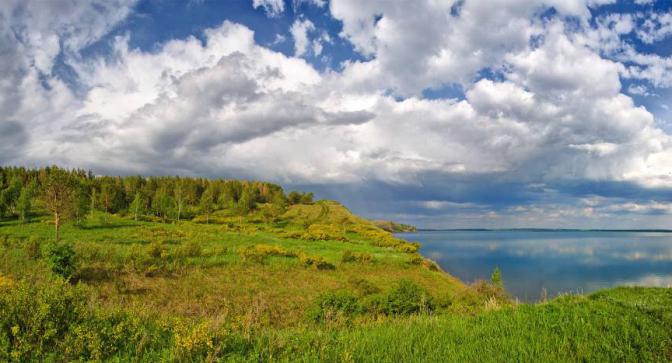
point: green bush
(404, 299)
(61, 259)
(34, 320)
(53, 322)
(334, 307)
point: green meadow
(263, 276)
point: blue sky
(455, 113)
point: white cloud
(299, 31)
(639, 90)
(319, 3)
(273, 8)
(442, 42)
(221, 104)
(655, 27)
(34, 102)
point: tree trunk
(57, 224)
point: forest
(72, 194)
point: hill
(178, 269)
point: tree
(137, 206)
(279, 203)
(179, 198)
(93, 201)
(24, 203)
(246, 202)
(496, 277)
(57, 196)
(307, 198)
(3, 204)
(300, 198)
(106, 195)
(10, 195)
(206, 203)
(161, 204)
(82, 203)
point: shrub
(52, 322)
(417, 259)
(363, 287)
(33, 248)
(496, 277)
(404, 299)
(258, 253)
(323, 232)
(316, 262)
(335, 307)
(37, 318)
(5, 282)
(381, 238)
(138, 257)
(289, 234)
(157, 249)
(190, 249)
(61, 259)
(407, 248)
(349, 257)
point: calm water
(556, 261)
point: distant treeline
(75, 193)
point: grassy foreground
(618, 325)
(313, 284)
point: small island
(393, 227)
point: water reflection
(556, 261)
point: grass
(623, 324)
(121, 261)
(245, 288)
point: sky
(439, 113)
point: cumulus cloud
(299, 31)
(272, 8)
(33, 101)
(542, 115)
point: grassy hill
(315, 283)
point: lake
(557, 261)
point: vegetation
(394, 227)
(184, 269)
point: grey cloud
(13, 138)
(228, 104)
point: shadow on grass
(108, 226)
